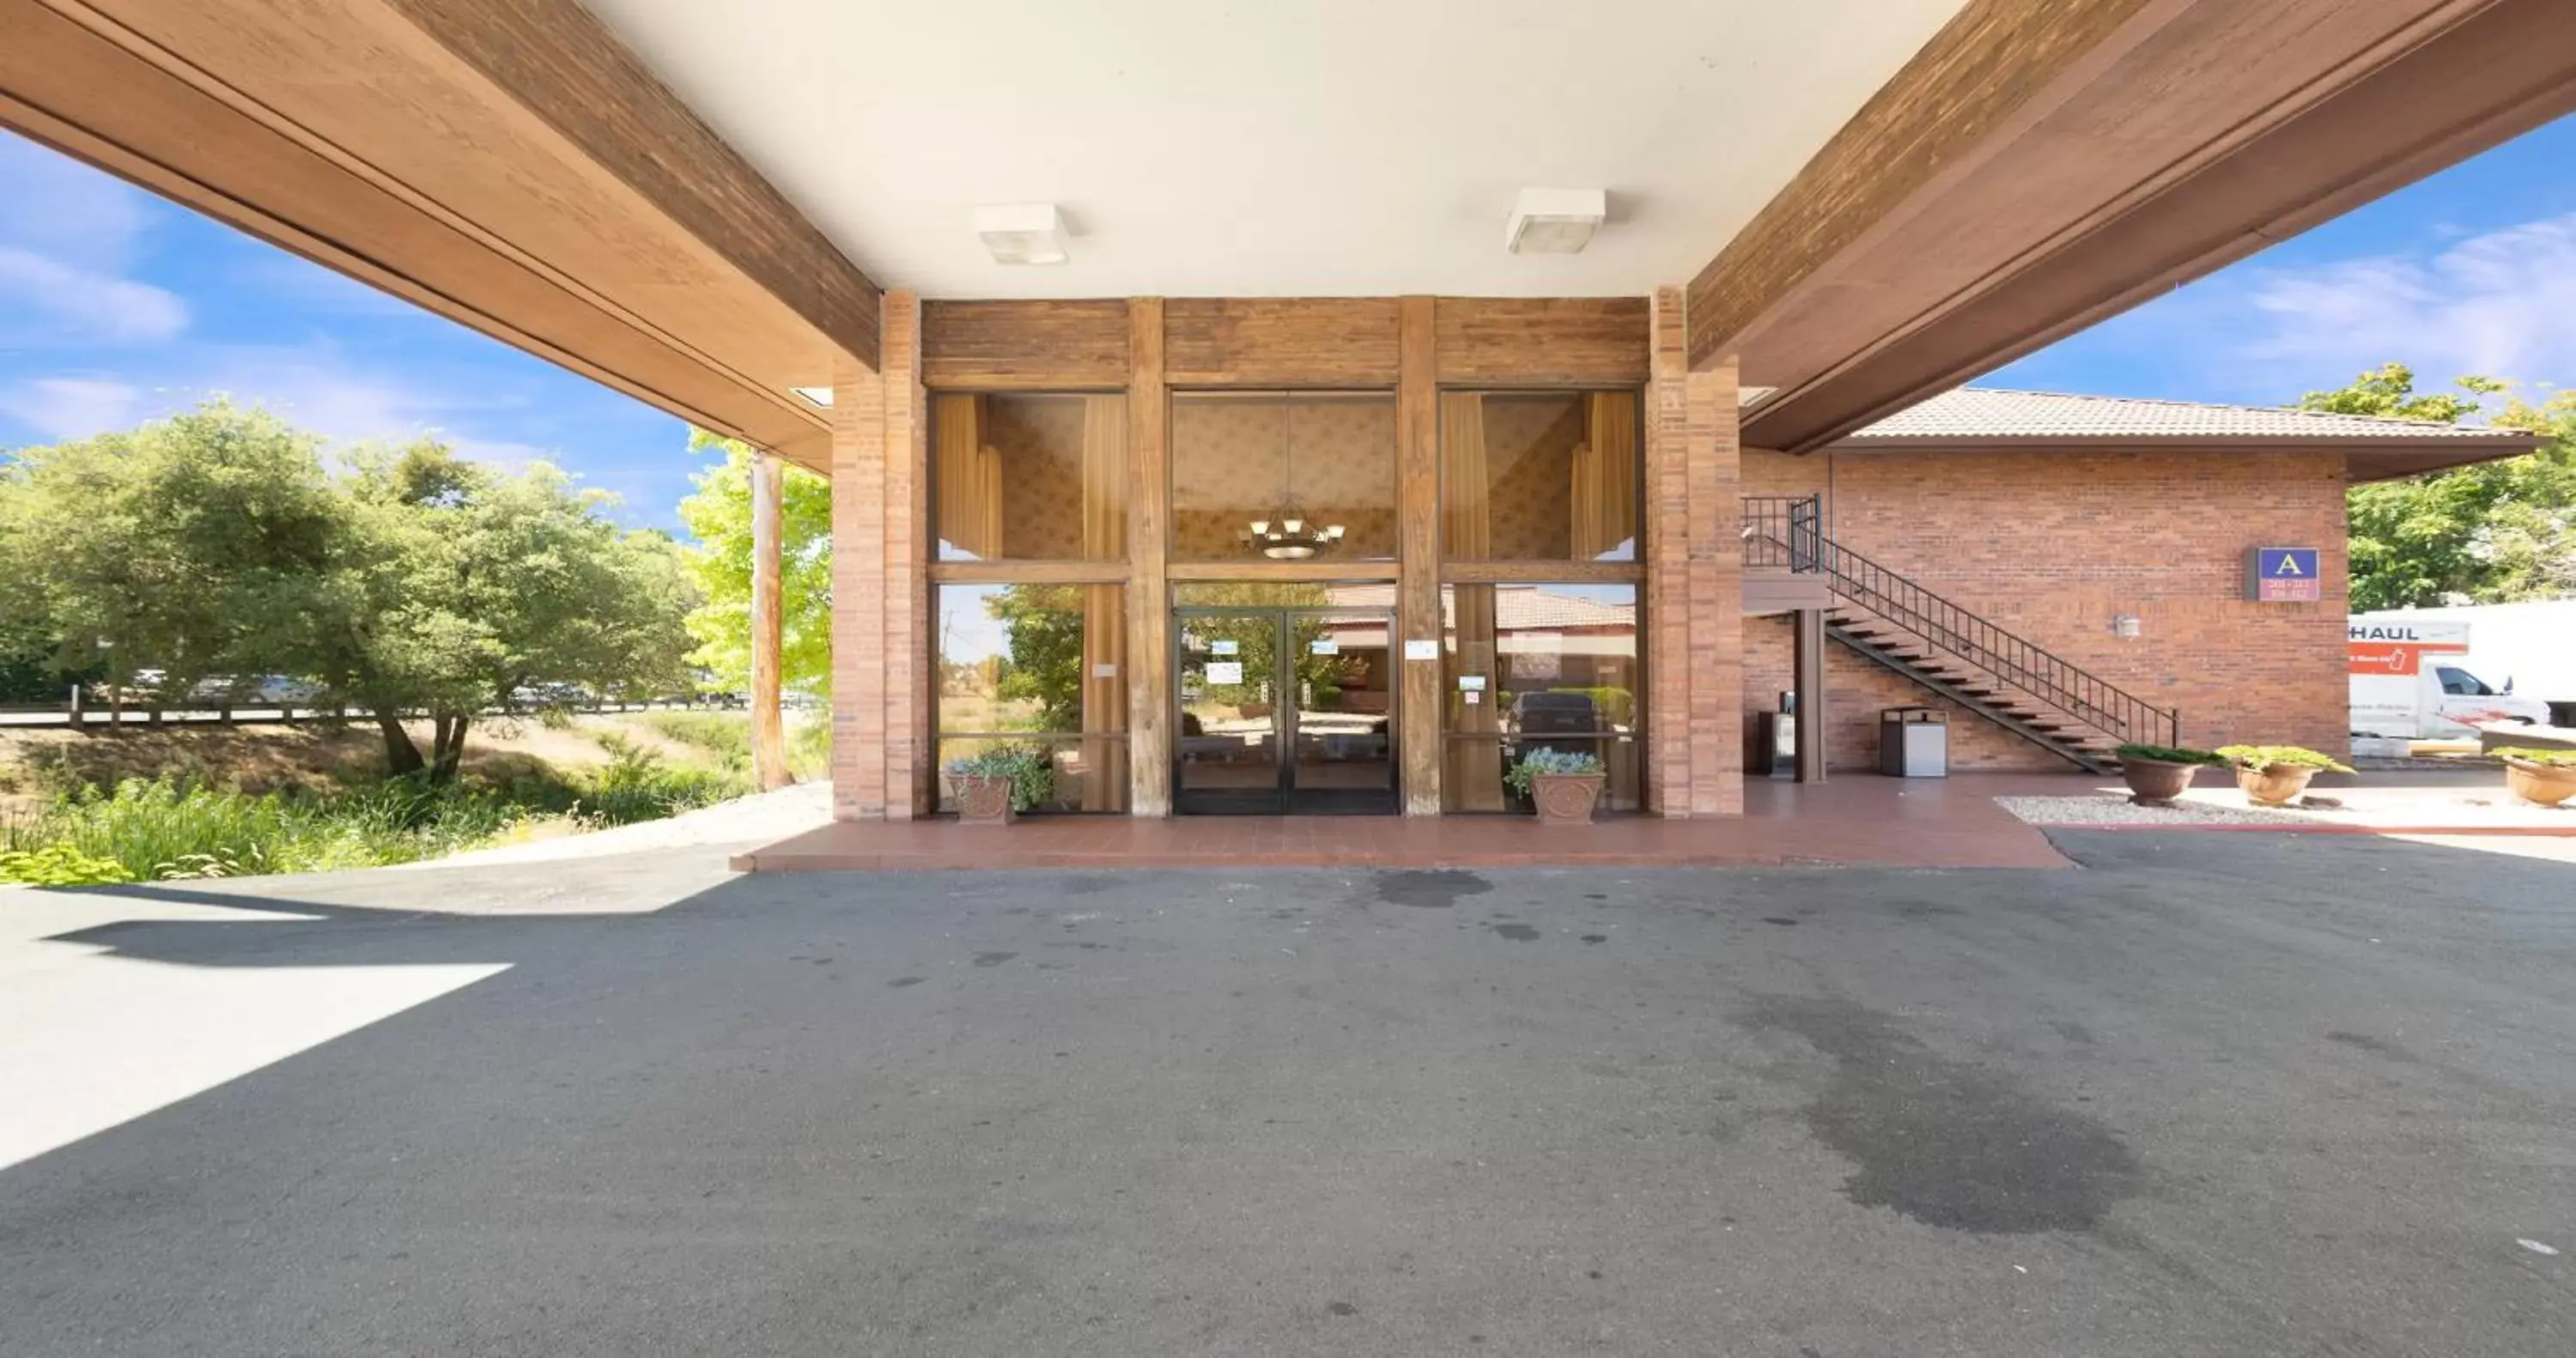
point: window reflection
(1530, 666)
(1044, 665)
(1029, 477)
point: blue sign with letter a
(2285, 575)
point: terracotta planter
(2544, 784)
(1565, 798)
(985, 801)
(2156, 780)
(2278, 785)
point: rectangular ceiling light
(1023, 233)
(821, 396)
(1555, 221)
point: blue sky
(116, 307)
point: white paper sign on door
(1225, 672)
(1324, 646)
(1422, 649)
(1225, 648)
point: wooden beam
(1968, 83)
(1149, 527)
(1541, 572)
(1281, 341)
(349, 135)
(1583, 342)
(565, 66)
(768, 714)
(1417, 460)
(2303, 122)
(1024, 345)
(2006, 226)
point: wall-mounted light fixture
(2126, 625)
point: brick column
(1694, 579)
(882, 763)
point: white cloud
(2501, 304)
(64, 408)
(66, 211)
(45, 303)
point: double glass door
(1284, 710)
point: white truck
(2411, 681)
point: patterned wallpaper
(1231, 457)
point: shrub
(1528, 767)
(59, 865)
(636, 785)
(726, 735)
(2170, 754)
(1031, 772)
(2259, 757)
(2555, 759)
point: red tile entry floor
(1858, 820)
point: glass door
(1284, 710)
(1231, 733)
(1341, 732)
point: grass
(726, 737)
(163, 830)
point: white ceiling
(1276, 147)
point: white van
(2411, 681)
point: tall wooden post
(768, 719)
(1149, 526)
(1417, 397)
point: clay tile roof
(1984, 413)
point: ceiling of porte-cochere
(1324, 148)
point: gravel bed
(2113, 809)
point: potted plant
(1563, 784)
(2276, 775)
(2546, 777)
(2157, 774)
(994, 786)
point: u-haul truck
(2411, 681)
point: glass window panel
(1029, 477)
(1539, 476)
(1084, 774)
(1323, 459)
(1529, 665)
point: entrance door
(1284, 710)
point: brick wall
(2053, 546)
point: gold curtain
(1104, 613)
(1605, 475)
(969, 476)
(1473, 772)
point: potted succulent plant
(994, 786)
(2547, 777)
(2276, 775)
(2157, 774)
(1563, 784)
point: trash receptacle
(1914, 742)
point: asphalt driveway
(2212, 1094)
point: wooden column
(1149, 611)
(1417, 588)
(1810, 669)
(1694, 579)
(768, 718)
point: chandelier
(1287, 533)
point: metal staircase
(1894, 622)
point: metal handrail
(1801, 545)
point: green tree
(220, 542)
(1045, 664)
(2495, 532)
(195, 545)
(718, 515)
